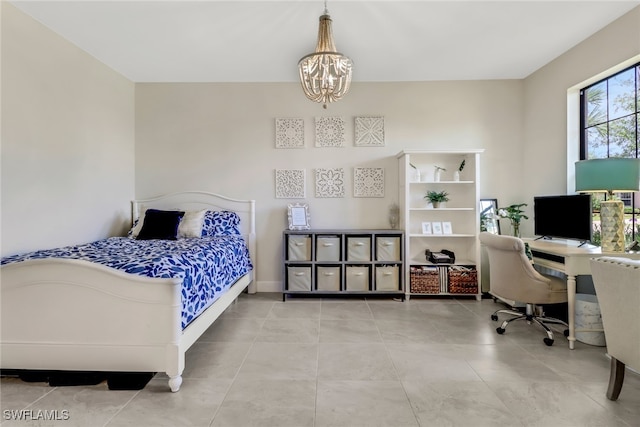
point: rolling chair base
(530, 317)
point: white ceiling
(262, 41)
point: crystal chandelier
(325, 74)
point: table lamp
(609, 175)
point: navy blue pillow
(160, 225)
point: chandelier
(325, 74)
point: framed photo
(446, 228)
(298, 215)
(426, 228)
(436, 227)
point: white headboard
(197, 200)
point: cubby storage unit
(454, 225)
(325, 262)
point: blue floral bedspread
(208, 266)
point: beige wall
(67, 140)
(551, 141)
(220, 138)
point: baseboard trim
(269, 286)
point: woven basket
(463, 280)
(424, 281)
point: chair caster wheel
(548, 342)
(494, 317)
(566, 332)
(500, 331)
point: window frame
(629, 200)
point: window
(610, 127)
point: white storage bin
(299, 248)
(387, 278)
(588, 317)
(357, 278)
(388, 248)
(358, 248)
(328, 278)
(299, 279)
(328, 248)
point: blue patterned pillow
(220, 223)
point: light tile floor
(355, 362)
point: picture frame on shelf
(298, 216)
(446, 227)
(436, 227)
(426, 228)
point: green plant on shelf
(437, 197)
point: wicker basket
(463, 280)
(425, 280)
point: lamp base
(612, 225)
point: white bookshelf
(461, 212)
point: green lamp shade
(613, 174)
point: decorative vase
(456, 176)
(436, 176)
(515, 229)
(415, 175)
(394, 216)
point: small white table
(566, 256)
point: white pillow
(135, 230)
(191, 224)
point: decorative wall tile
(330, 182)
(289, 133)
(330, 132)
(369, 131)
(290, 183)
(368, 182)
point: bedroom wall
(67, 140)
(221, 138)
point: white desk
(565, 256)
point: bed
(78, 315)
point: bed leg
(175, 383)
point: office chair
(514, 278)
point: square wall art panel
(368, 182)
(290, 183)
(289, 133)
(330, 132)
(330, 182)
(369, 131)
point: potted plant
(515, 214)
(437, 197)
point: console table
(567, 257)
